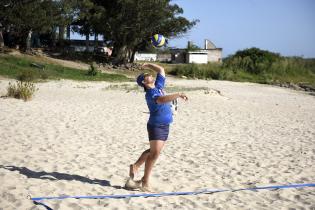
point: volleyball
(158, 40)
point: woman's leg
(134, 167)
(155, 150)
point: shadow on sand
(58, 176)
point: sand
(78, 138)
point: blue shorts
(158, 132)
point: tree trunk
(1, 36)
(1, 39)
(87, 37)
(120, 54)
(68, 32)
(54, 37)
(132, 57)
(61, 33)
(95, 41)
(28, 41)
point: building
(214, 53)
(210, 53)
(139, 56)
(200, 56)
(142, 56)
(178, 55)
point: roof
(209, 45)
(198, 52)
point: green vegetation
(192, 47)
(249, 65)
(21, 90)
(22, 69)
(92, 71)
(127, 25)
(254, 65)
(170, 89)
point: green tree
(4, 8)
(126, 24)
(28, 16)
(192, 47)
(129, 24)
(88, 21)
(252, 60)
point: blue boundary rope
(146, 195)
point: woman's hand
(145, 65)
(169, 98)
(183, 96)
(155, 67)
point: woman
(159, 120)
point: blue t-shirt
(159, 113)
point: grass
(21, 90)
(124, 87)
(284, 71)
(13, 67)
(168, 89)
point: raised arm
(169, 98)
(155, 67)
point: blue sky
(283, 26)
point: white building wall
(215, 55)
(83, 48)
(145, 57)
(197, 58)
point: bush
(200, 71)
(21, 90)
(26, 76)
(92, 71)
(44, 75)
(30, 76)
(253, 60)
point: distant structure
(145, 56)
(214, 53)
(88, 46)
(200, 56)
(210, 53)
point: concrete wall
(82, 48)
(209, 45)
(178, 57)
(197, 57)
(145, 56)
(200, 56)
(164, 57)
(215, 55)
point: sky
(283, 26)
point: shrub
(26, 76)
(44, 75)
(200, 71)
(30, 76)
(21, 90)
(92, 71)
(252, 60)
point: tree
(129, 24)
(28, 16)
(126, 24)
(192, 47)
(252, 60)
(88, 21)
(3, 19)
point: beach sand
(78, 138)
